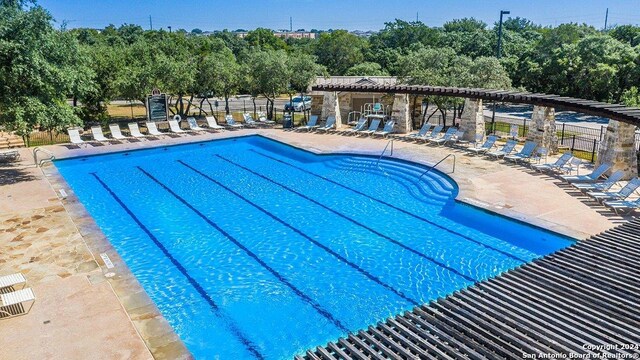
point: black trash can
(287, 122)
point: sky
(329, 14)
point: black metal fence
(583, 141)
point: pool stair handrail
(42, 161)
(438, 163)
(384, 150)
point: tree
(264, 39)
(340, 50)
(218, 73)
(367, 69)
(303, 71)
(631, 97)
(267, 71)
(39, 68)
(626, 33)
(464, 25)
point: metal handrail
(384, 150)
(441, 160)
(41, 162)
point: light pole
(502, 12)
(170, 26)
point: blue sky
(326, 14)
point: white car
(297, 104)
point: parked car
(297, 104)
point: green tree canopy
(367, 69)
(340, 50)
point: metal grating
(568, 302)
(618, 112)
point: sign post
(157, 107)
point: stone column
(331, 107)
(400, 113)
(618, 149)
(472, 119)
(345, 100)
(543, 128)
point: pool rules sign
(157, 107)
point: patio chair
(96, 132)
(174, 127)
(373, 127)
(558, 164)
(311, 124)
(601, 186)
(231, 123)
(329, 125)
(134, 130)
(622, 194)
(193, 124)
(213, 124)
(74, 136)
(524, 154)
(248, 120)
(12, 280)
(513, 131)
(388, 129)
(420, 134)
(488, 145)
(541, 152)
(434, 133)
(589, 178)
(9, 155)
(444, 138)
(456, 138)
(116, 133)
(11, 304)
(152, 129)
(506, 150)
(362, 123)
(262, 117)
(622, 205)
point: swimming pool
(254, 249)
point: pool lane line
(468, 238)
(390, 239)
(249, 345)
(307, 237)
(273, 272)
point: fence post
(562, 136)
(593, 151)
(524, 128)
(573, 142)
(601, 127)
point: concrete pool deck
(85, 309)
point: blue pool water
(254, 249)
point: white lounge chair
(74, 136)
(193, 124)
(152, 129)
(12, 280)
(96, 132)
(360, 125)
(373, 127)
(329, 124)
(524, 154)
(601, 186)
(434, 133)
(557, 165)
(262, 117)
(15, 298)
(9, 154)
(444, 138)
(622, 194)
(310, 125)
(248, 120)
(388, 129)
(589, 178)
(231, 123)
(213, 124)
(488, 145)
(421, 133)
(623, 205)
(506, 150)
(175, 127)
(134, 130)
(116, 133)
